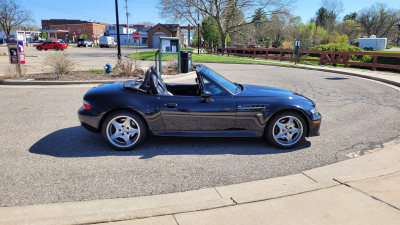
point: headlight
(314, 111)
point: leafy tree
(351, 28)
(210, 31)
(43, 35)
(350, 16)
(84, 36)
(309, 35)
(325, 19)
(12, 15)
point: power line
(72, 13)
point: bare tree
(12, 15)
(229, 14)
(379, 19)
(333, 6)
(148, 23)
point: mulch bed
(73, 76)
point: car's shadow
(77, 142)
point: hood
(261, 91)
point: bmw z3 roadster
(125, 112)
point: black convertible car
(124, 112)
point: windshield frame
(214, 75)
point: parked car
(52, 45)
(124, 112)
(84, 43)
(107, 42)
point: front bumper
(89, 120)
(315, 126)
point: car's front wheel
(286, 129)
(39, 48)
(56, 48)
(123, 130)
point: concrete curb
(17, 82)
(373, 165)
(329, 70)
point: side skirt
(209, 133)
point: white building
(26, 36)
(111, 30)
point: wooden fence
(325, 56)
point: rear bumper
(88, 120)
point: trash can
(186, 61)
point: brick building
(162, 30)
(91, 29)
(47, 23)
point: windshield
(220, 79)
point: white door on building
(156, 38)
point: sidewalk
(363, 190)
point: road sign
(136, 35)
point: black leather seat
(157, 84)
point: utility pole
(118, 39)
(198, 29)
(127, 20)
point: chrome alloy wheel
(287, 130)
(123, 131)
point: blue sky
(144, 10)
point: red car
(52, 45)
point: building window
(69, 30)
(144, 40)
(79, 30)
(85, 31)
(56, 28)
(45, 28)
(101, 30)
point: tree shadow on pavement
(77, 142)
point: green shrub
(337, 47)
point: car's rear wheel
(39, 48)
(123, 130)
(286, 129)
(370, 48)
(56, 48)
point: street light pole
(118, 39)
(198, 29)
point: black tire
(365, 49)
(78, 46)
(45, 49)
(272, 130)
(137, 124)
(39, 48)
(370, 48)
(56, 48)
(101, 46)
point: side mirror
(207, 95)
(197, 80)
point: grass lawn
(392, 46)
(149, 55)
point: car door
(193, 113)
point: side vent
(252, 107)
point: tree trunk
(223, 40)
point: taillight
(86, 105)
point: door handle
(171, 105)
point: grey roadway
(47, 157)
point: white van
(107, 41)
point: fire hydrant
(108, 68)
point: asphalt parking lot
(47, 157)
